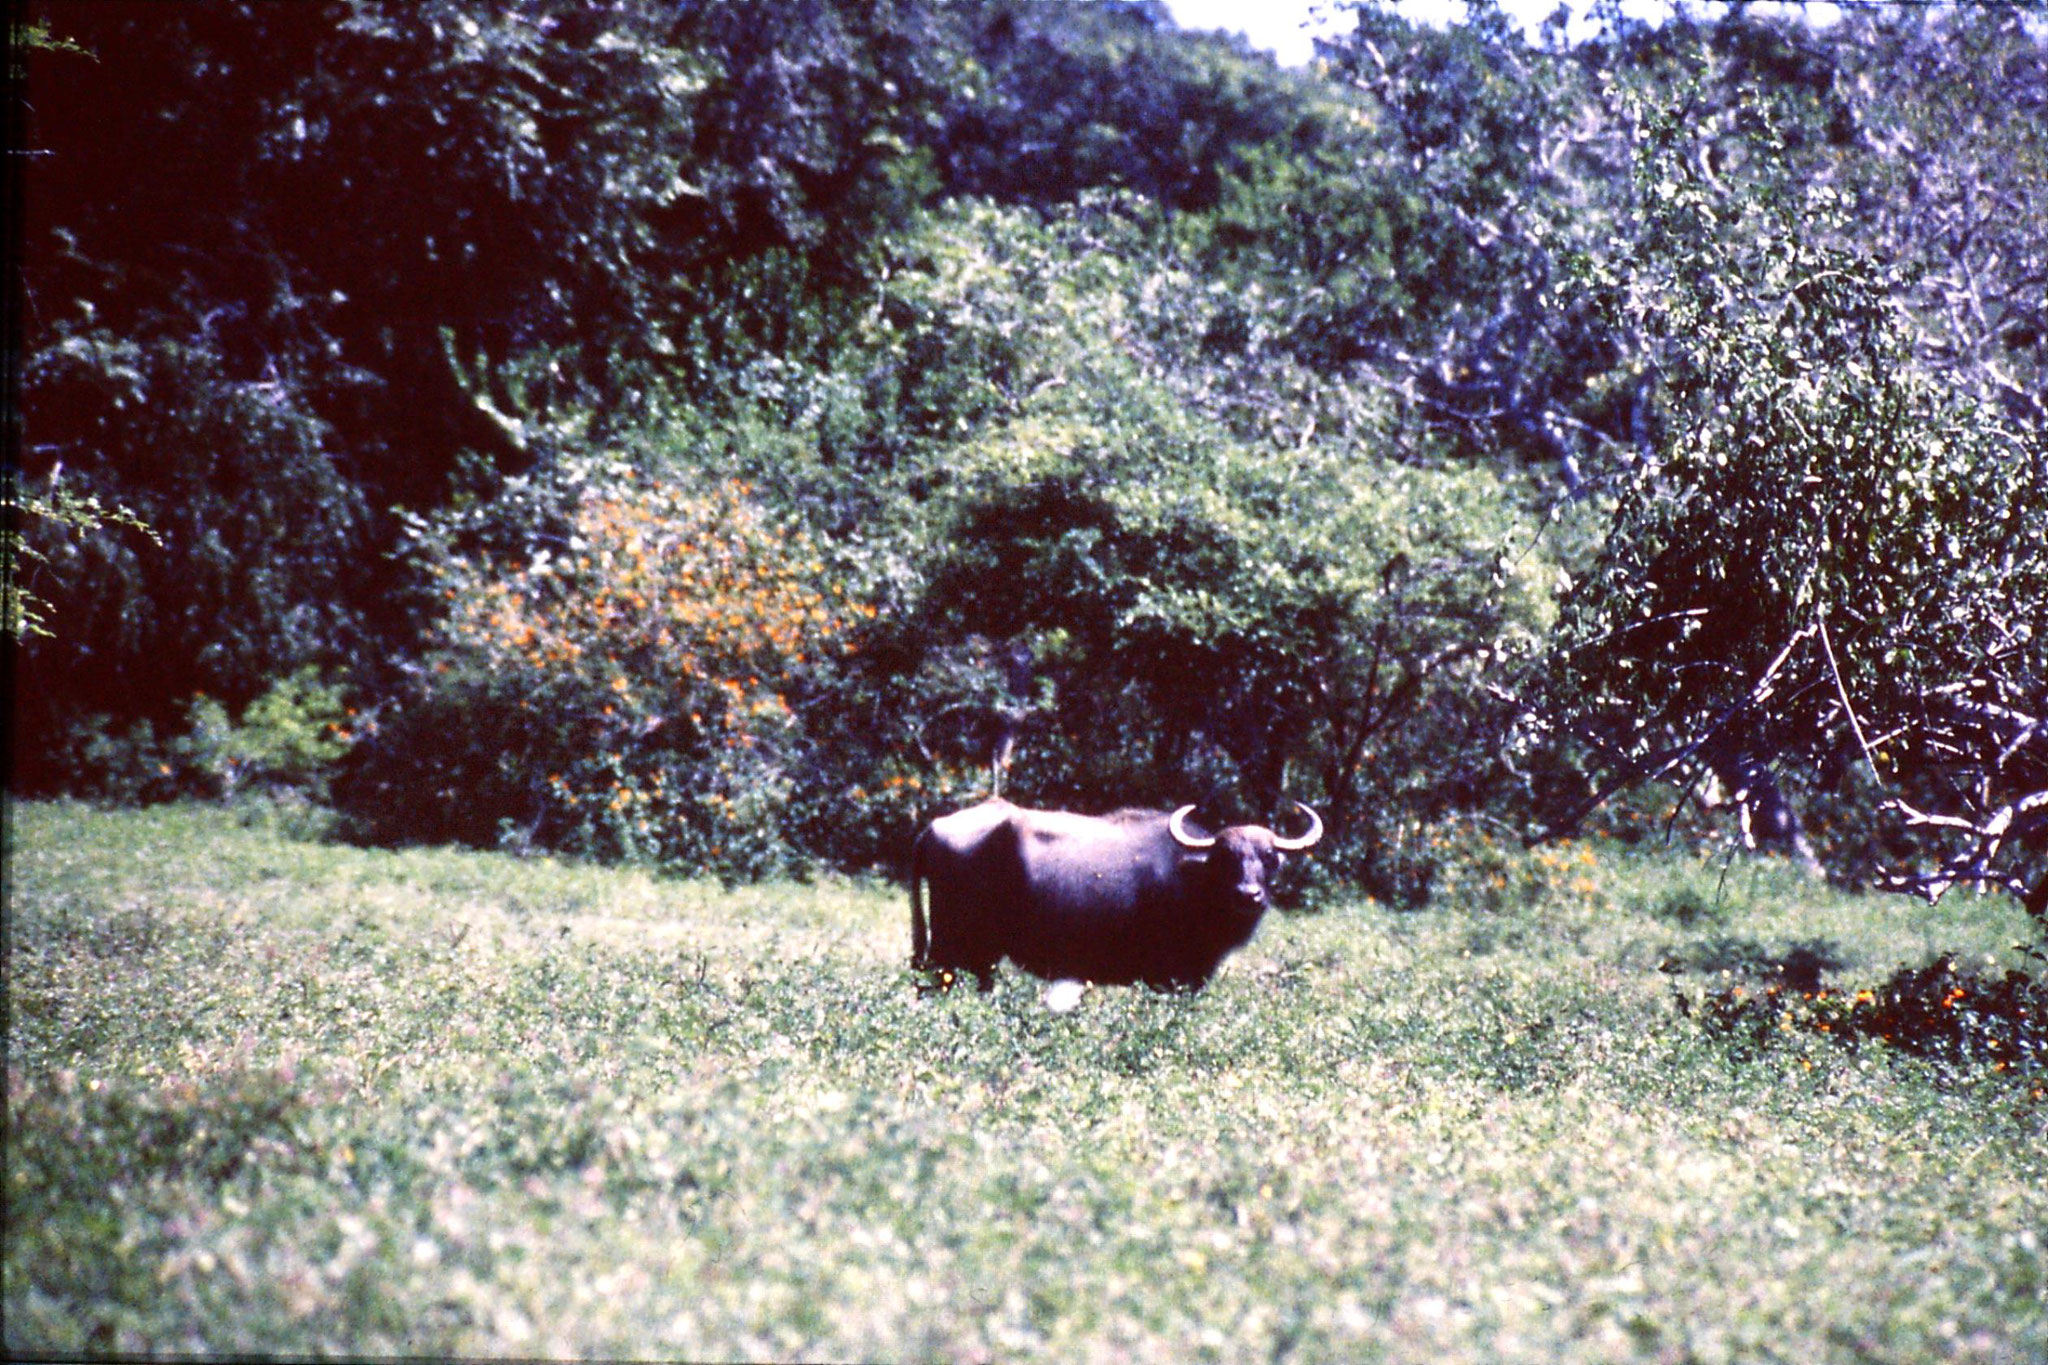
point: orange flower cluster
(1953, 1017)
(661, 651)
(661, 587)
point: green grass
(279, 1096)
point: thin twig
(1856, 726)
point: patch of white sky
(1287, 28)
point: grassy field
(267, 1095)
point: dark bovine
(1111, 899)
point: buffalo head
(1243, 858)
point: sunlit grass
(268, 1095)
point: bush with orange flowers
(1961, 1020)
(623, 685)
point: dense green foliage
(1834, 557)
(1471, 426)
(455, 1104)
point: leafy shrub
(128, 766)
(288, 740)
(1961, 1019)
(289, 737)
(1259, 617)
(625, 684)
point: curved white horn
(1315, 832)
(1180, 832)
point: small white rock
(1062, 996)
